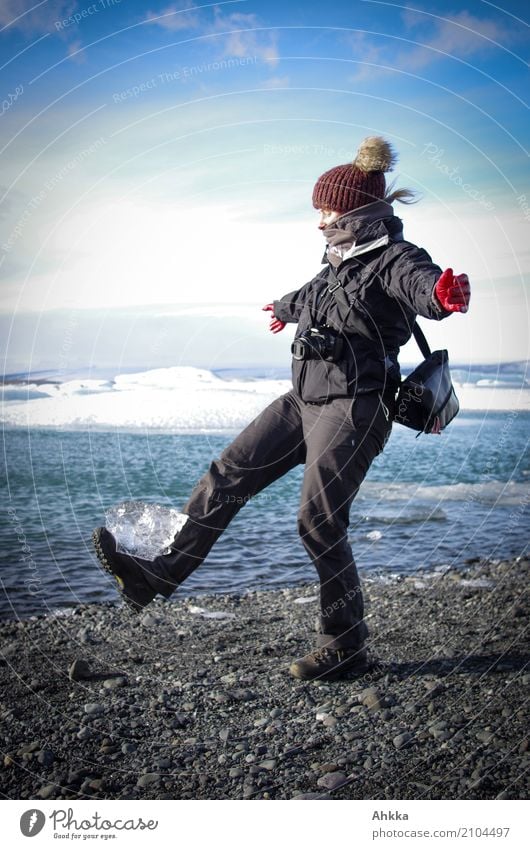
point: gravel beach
(193, 699)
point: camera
(318, 343)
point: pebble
(372, 699)
(485, 737)
(242, 695)
(47, 791)
(148, 779)
(268, 764)
(332, 780)
(79, 670)
(84, 733)
(149, 620)
(115, 683)
(46, 757)
(94, 709)
(302, 796)
(401, 740)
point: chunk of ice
(144, 530)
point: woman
(352, 319)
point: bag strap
(421, 341)
(353, 322)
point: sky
(158, 160)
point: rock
(485, 737)
(86, 637)
(275, 713)
(115, 683)
(29, 747)
(433, 688)
(302, 796)
(79, 670)
(242, 694)
(327, 767)
(332, 780)
(148, 779)
(150, 621)
(268, 764)
(224, 734)
(93, 709)
(372, 698)
(401, 740)
(84, 733)
(47, 791)
(235, 772)
(46, 757)
(330, 721)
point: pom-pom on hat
(355, 184)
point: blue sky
(158, 160)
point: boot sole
(332, 674)
(135, 606)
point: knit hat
(349, 186)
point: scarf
(342, 235)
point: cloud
(76, 52)
(432, 38)
(462, 35)
(176, 17)
(277, 82)
(245, 38)
(365, 50)
(242, 35)
(38, 19)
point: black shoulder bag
(426, 400)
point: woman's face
(327, 217)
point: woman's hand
(453, 291)
(276, 325)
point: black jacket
(388, 286)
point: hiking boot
(127, 570)
(326, 663)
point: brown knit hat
(349, 186)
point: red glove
(453, 291)
(276, 325)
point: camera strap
(353, 322)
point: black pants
(337, 442)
